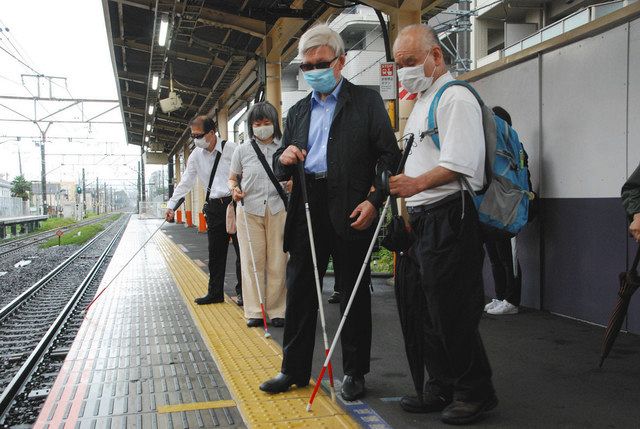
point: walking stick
(360, 275)
(255, 270)
(86, 309)
(312, 244)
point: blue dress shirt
(321, 118)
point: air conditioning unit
(172, 103)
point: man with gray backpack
(443, 175)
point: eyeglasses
(318, 66)
(198, 136)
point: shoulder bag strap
(269, 171)
(214, 169)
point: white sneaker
(503, 307)
(492, 304)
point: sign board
(388, 85)
(59, 233)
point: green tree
(20, 187)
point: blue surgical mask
(322, 81)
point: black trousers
(302, 302)
(508, 284)
(449, 251)
(218, 247)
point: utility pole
(43, 170)
(19, 157)
(84, 194)
(105, 201)
(97, 196)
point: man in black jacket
(341, 132)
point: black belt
(429, 207)
(223, 200)
(316, 176)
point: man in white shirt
(448, 245)
(200, 164)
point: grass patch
(76, 236)
(55, 223)
(81, 235)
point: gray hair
(264, 110)
(424, 34)
(321, 35)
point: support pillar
(178, 173)
(187, 200)
(223, 123)
(273, 87)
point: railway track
(20, 243)
(32, 325)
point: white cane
(314, 259)
(360, 275)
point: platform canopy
(213, 53)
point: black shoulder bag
(205, 206)
(269, 171)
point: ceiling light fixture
(151, 107)
(164, 30)
(155, 79)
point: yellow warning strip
(245, 358)
(195, 406)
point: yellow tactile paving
(245, 358)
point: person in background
(631, 202)
(265, 214)
(505, 266)
(448, 243)
(200, 164)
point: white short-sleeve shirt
(462, 146)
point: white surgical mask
(263, 132)
(413, 78)
(201, 143)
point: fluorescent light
(148, 127)
(164, 29)
(155, 79)
(146, 139)
(151, 107)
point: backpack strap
(432, 123)
(214, 169)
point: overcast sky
(61, 38)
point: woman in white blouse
(265, 210)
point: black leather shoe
(239, 301)
(352, 388)
(208, 299)
(463, 412)
(277, 322)
(281, 383)
(254, 323)
(428, 404)
(334, 298)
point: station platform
(147, 356)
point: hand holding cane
(359, 279)
(86, 309)
(253, 260)
(314, 258)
